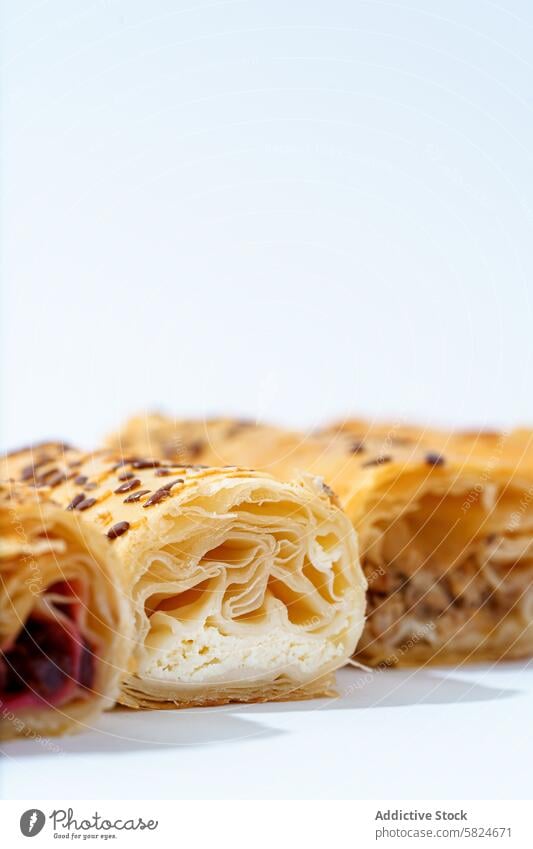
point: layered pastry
(64, 639)
(241, 587)
(445, 524)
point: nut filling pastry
(63, 622)
(445, 524)
(241, 587)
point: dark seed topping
(135, 496)
(161, 493)
(168, 486)
(85, 503)
(156, 497)
(378, 461)
(128, 485)
(126, 476)
(45, 475)
(163, 473)
(91, 485)
(434, 459)
(30, 471)
(357, 447)
(117, 530)
(76, 500)
(123, 462)
(80, 480)
(145, 464)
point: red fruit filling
(50, 660)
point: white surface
(289, 210)
(401, 734)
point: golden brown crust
(135, 502)
(42, 546)
(393, 475)
(105, 488)
(320, 688)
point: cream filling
(208, 656)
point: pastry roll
(445, 524)
(63, 619)
(242, 587)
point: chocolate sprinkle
(145, 464)
(85, 503)
(135, 496)
(76, 500)
(117, 530)
(52, 477)
(163, 473)
(128, 485)
(91, 485)
(378, 461)
(434, 459)
(81, 479)
(357, 447)
(126, 476)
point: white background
(292, 211)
